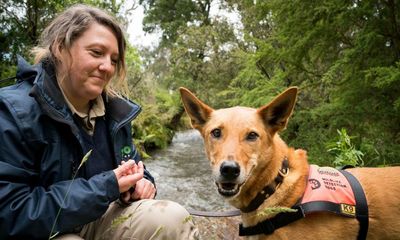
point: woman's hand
(144, 189)
(128, 175)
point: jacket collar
(25, 71)
(48, 94)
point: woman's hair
(68, 27)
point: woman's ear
(58, 51)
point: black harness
(268, 226)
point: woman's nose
(107, 66)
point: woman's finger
(125, 197)
(124, 168)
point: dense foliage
(344, 56)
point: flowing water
(183, 174)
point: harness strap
(361, 206)
(268, 226)
(320, 206)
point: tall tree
(170, 16)
(197, 47)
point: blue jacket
(41, 147)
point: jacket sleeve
(28, 209)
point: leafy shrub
(344, 151)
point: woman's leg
(144, 219)
(68, 237)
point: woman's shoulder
(16, 102)
(17, 94)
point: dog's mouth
(228, 189)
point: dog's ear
(198, 111)
(278, 111)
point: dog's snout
(230, 170)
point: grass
(84, 159)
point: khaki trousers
(144, 219)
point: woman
(61, 109)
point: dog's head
(241, 141)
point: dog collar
(269, 189)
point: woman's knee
(146, 219)
(163, 219)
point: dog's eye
(252, 136)
(216, 133)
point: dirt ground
(218, 228)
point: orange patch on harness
(326, 184)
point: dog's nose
(229, 170)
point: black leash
(229, 213)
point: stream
(183, 174)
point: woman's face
(93, 57)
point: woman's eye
(216, 133)
(96, 53)
(252, 136)
(114, 61)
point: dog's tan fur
(260, 159)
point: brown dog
(246, 155)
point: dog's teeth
(228, 186)
(228, 189)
